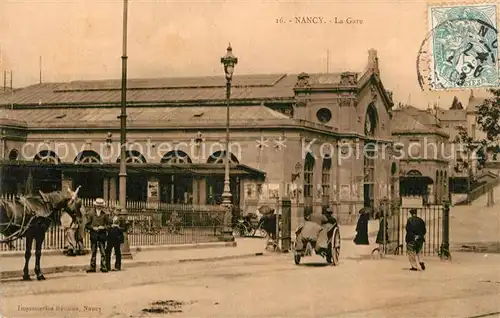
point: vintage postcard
(249, 158)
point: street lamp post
(123, 133)
(229, 61)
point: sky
(82, 40)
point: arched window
(47, 156)
(218, 157)
(176, 156)
(133, 156)
(371, 121)
(308, 176)
(414, 173)
(88, 156)
(14, 155)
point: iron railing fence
(148, 224)
(433, 218)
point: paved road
(269, 286)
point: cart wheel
(335, 251)
(297, 259)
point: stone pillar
(106, 189)
(113, 190)
(203, 191)
(196, 191)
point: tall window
(369, 164)
(369, 175)
(325, 176)
(308, 176)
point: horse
(31, 216)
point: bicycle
(444, 253)
(390, 249)
(240, 229)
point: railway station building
(299, 136)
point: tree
(474, 148)
(488, 119)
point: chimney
(4, 80)
(373, 61)
(11, 81)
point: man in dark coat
(115, 239)
(415, 238)
(97, 224)
(361, 237)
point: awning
(140, 168)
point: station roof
(407, 122)
(155, 90)
(194, 90)
(194, 169)
(140, 116)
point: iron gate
(434, 238)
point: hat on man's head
(327, 210)
(99, 202)
(413, 211)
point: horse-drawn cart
(330, 251)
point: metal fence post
(490, 196)
(286, 225)
(444, 252)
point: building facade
(292, 136)
(422, 147)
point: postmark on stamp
(461, 49)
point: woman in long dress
(361, 237)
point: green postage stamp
(464, 46)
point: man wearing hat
(115, 239)
(97, 224)
(415, 238)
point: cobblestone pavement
(268, 286)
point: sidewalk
(11, 267)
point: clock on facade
(324, 115)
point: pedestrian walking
(97, 224)
(361, 237)
(70, 226)
(415, 238)
(115, 239)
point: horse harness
(27, 209)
